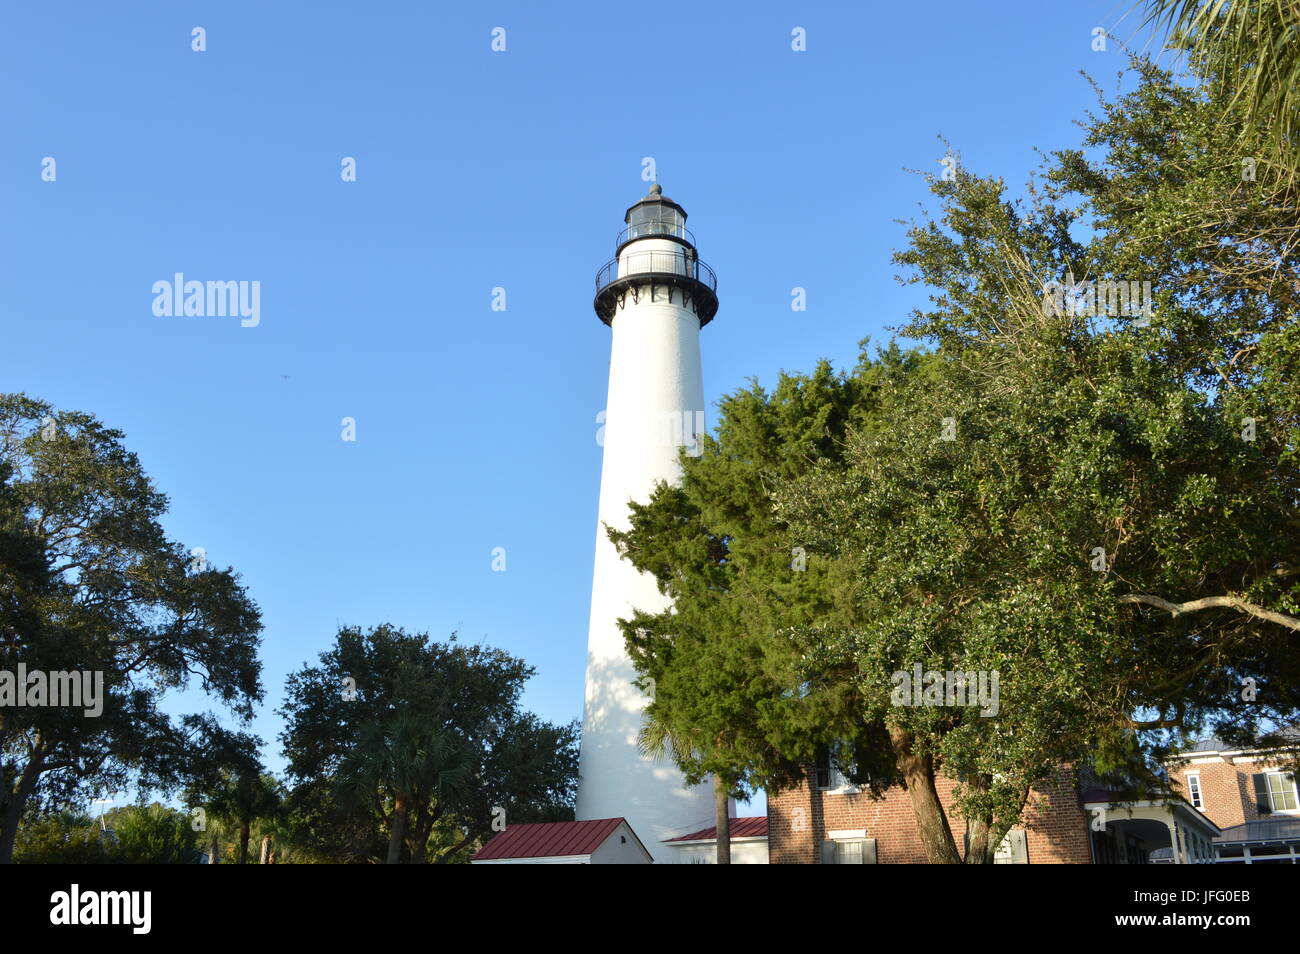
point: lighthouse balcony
(669, 228)
(654, 271)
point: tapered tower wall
(655, 405)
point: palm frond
(1254, 47)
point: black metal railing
(651, 229)
(657, 262)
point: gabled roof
(753, 827)
(548, 839)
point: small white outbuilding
(601, 841)
(748, 844)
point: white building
(601, 841)
(655, 295)
(748, 840)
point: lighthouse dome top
(655, 216)
(654, 199)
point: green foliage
(152, 834)
(134, 834)
(434, 733)
(955, 504)
(92, 584)
(68, 838)
(731, 695)
(239, 798)
(1074, 432)
(1252, 49)
(1163, 190)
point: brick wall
(1056, 826)
(1227, 791)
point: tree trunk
(266, 850)
(243, 843)
(420, 828)
(979, 831)
(722, 818)
(931, 822)
(399, 830)
(212, 850)
(16, 802)
(423, 828)
(978, 851)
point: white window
(1194, 789)
(849, 847)
(848, 852)
(1282, 792)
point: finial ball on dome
(656, 189)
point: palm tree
(275, 837)
(658, 738)
(410, 761)
(213, 837)
(244, 798)
(1254, 47)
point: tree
(243, 797)
(1252, 47)
(67, 837)
(729, 696)
(1168, 197)
(416, 763)
(152, 834)
(132, 834)
(401, 747)
(216, 837)
(93, 585)
(1071, 499)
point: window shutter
(1019, 845)
(869, 851)
(1262, 802)
(828, 852)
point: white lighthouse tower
(655, 295)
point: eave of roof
(754, 826)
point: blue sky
(475, 169)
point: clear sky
(475, 169)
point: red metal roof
(754, 827)
(548, 839)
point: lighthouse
(655, 296)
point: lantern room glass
(655, 218)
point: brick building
(827, 820)
(1249, 794)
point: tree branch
(1213, 602)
